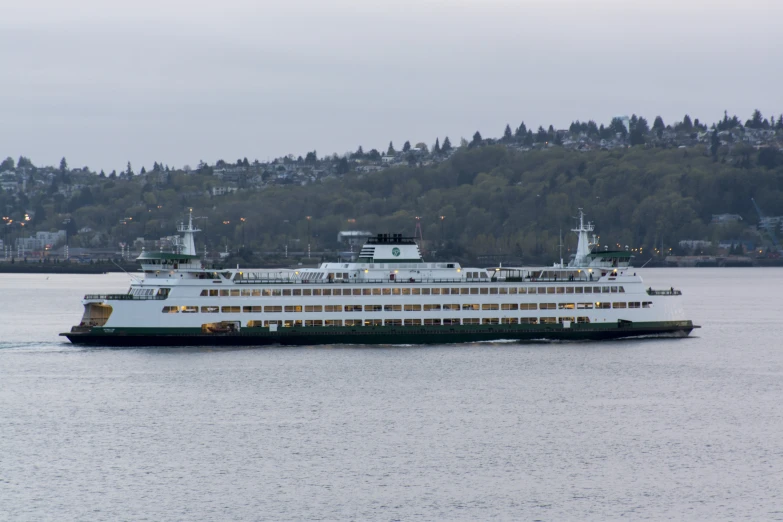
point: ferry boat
(389, 295)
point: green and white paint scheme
(390, 295)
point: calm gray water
(688, 429)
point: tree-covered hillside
(484, 200)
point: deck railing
(671, 291)
(415, 280)
(124, 297)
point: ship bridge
(163, 261)
(390, 248)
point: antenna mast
(417, 230)
(561, 247)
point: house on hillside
(9, 186)
(725, 219)
(727, 245)
(694, 244)
(220, 191)
(353, 237)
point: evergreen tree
(436, 147)
(245, 163)
(714, 144)
(113, 174)
(446, 145)
(311, 158)
(342, 166)
(639, 130)
(129, 170)
(755, 122)
(658, 127)
(728, 123)
(541, 135)
(7, 164)
(521, 131)
(507, 136)
(24, 162)
(143, 170)
(390, 151)
(529, 139)
(617, 127)
(63, 165)
(102, 174)
(476, 140)
(406, 146)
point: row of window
(142, 291)
(309, 276)
(272, 292)
(419, 322)
(403, 308)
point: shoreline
(64, 268)
(103, 268)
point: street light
(308, 236)
(6, 228)
(285, 225)
(442, 218)
(243, 231)
(66, 222)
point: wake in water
(35, 346)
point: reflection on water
(687, 429)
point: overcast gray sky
(180, 81)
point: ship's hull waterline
(389, 296)
(379, 335)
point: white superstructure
(389, 284)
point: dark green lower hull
(369, 335)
